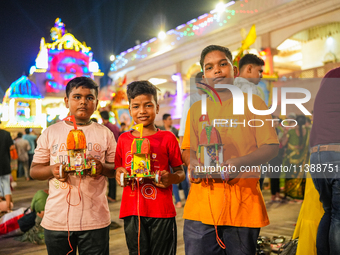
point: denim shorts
(5, 185)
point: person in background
(14, 165)
(325, 151)
(250, 74)
(308, 123)
(31, 137)
(167, 125)
(5, 169)
(122, 127)
(111, 196)
(291, 117)
(30, 225)
(276, 162)
(297, 155)
(23, 147)
(251, 69)
(114, 129)
(192, 98)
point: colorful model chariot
(210, 156)
(140, 164)
(76, 159)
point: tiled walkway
(282, 218)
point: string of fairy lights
(221, 16)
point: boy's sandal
(277, 242)
(263, 246)
(277, 200)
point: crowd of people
(17, 155)
(294, 155)
(222, 216)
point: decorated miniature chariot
(140, 164)
(210, 156)
(76, 155)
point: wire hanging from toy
(68, 211)
(218, 239)
(138, 213)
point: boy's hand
(191, 168)
(233, 163)
(120, 170)
(99, 167)
(55, 172)
(166, 179)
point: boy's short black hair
(137, 88)
(166, 115)
(105, 115)
(211, 48)
(81, 82)
(27, 131)
(250, 59)
(19, 135)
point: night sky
(107, 26)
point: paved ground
(282, 216)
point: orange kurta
(239, 202)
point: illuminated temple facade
(38, 99)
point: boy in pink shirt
(76, 212)
(148, 210)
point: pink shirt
(88, 207)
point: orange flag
(72, 119)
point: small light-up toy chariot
(140, 164)
(76, 159)
(210, 145)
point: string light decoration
(204, 24)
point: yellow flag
(250, 39)
(139, 128)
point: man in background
(23, 147)
(192, 98)
(167, 125)
(31, 137)
(116, 132)
(122, 128)
(325, 148)
(250, 74)
(5, 168)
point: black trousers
(112, 188)
(89, 242)
(158, 236)
(275, 176)
(30, 159)
(200, 239)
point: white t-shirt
(244, 84)
(192, 98)
(88, 206)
